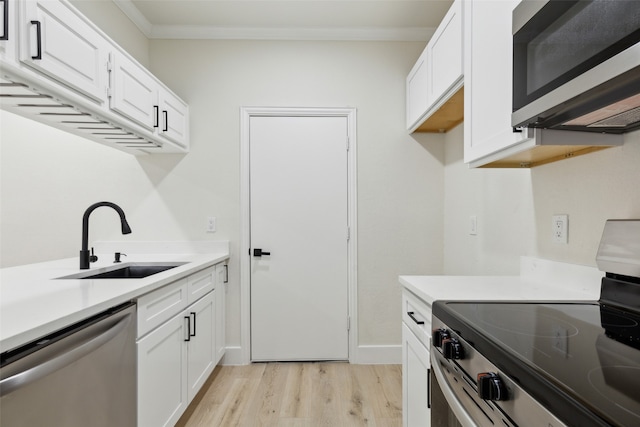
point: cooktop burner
(586, 351)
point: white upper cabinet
(133, 92)
(137, 95)
(60, 44)
(487, 98)
(8, 40)
(434, 96)
(173, 119)
(418, 90)
(445, 53)
(60, 69)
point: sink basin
(131, 271)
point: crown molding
(200, 32)
(134, 14)
(306, 34)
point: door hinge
(348, 323)
(348, 143)
(348, 233)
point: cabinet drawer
(201, 283)
(416, 314)
(160, 305)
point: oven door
(571, 58)
(454, 398)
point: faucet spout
(85, 258)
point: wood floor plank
(310, 394)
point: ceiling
(394, 20)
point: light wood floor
(299, 394)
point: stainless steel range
(545, 364)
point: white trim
(246, 33)
(378, 355)
(196, 32)
(134, 14)
(245, 262)
(232, 356)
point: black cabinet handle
(194, 324)
(411, 315)
(226, 273)
(5, 27)
(38, 39)
(259, 252)
(188, 319)
(166, 120)
(429, 388)
(156, 111)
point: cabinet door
(221, 292)
(174, 118)
(201, 283)
(62, 45)
(133, 92)
(488, 79)
(417, 90)
(415, 381)
(445, 53)
(161, 305)
(162, 374)
(8, 32)
(201, 344)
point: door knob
(260, 252)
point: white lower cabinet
(416, 365)
(177, 353)
(416, 369)
(162, 374)
(222, 277)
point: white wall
(514, 207)
(399, 181)
(48, 177)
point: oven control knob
(438, 336)
(452, 349)
(491, 387)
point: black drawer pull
(194, 324)
(411, 314)
(188, 319)
(38, 55)
(5, 24)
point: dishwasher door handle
(34, 373)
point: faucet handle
(93, 258)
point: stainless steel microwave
(576, 65)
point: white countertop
(540, 280)
(34, 303)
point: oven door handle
(454, 404)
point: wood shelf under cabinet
(450, 115)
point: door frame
(245, 217)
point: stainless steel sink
(129, 271)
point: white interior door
(299, 215)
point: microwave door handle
(454, 404)
(34, 373)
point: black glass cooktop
(574, 358)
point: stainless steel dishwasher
(83, 375)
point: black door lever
(260, 252)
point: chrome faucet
(85, 258)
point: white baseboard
(378, 355)
(232, 356)
(365, 355)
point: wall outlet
(560, 228)
(211, 224)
